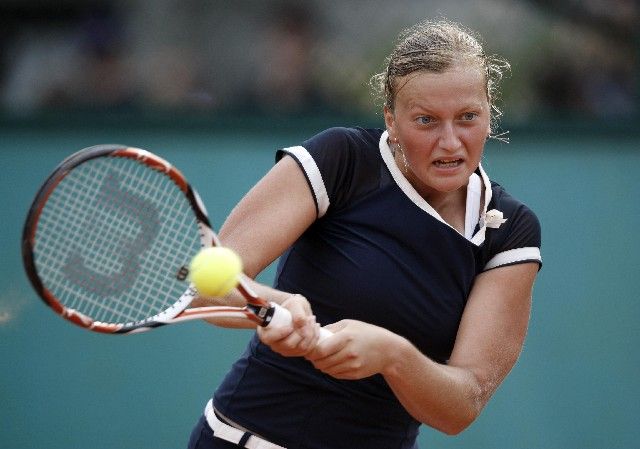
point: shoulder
(520, 216)
(340, 164)
(519, 238)
(352, 137)
(338, 141)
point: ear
(389, 121)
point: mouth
(448, 163)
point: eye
(468, 116)
(424, 120)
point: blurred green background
(216, 87)
(575, 386)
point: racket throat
(263, 313)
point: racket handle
(282, 317)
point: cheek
(420, 144)
(416, 141)
(475, 141)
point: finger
(327, 351)
(344, 374)
(304, 337)
(272, 334)
(337, 326)
(341, 367)
(297, 305)
(294, 344)
(307, 327)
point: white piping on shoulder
(314, 176)
(529, 253)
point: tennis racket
(108, 241)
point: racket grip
(282, 317)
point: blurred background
(571, 58)
(216, 87)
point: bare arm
(446, 397)
(270, 217)
(275, 212)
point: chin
(452, 184)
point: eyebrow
(475, 106)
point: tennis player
(423, 267)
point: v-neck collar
(474, 195)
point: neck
(448, 201)
(451, 207)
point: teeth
(448, 163)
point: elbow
(467, 410)
(456, 426)
(460, 418)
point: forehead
(457, 84)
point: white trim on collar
(472, 214)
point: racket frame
(257, 309)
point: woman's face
(441, 121)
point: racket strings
(111, 239)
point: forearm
(444, 397)
(447, 398)
(236, 299)
(489, 340)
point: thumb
(337, 326)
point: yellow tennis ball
(214, 271)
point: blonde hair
(435, 47)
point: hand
(355, 351)
(297, 339)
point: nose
(448, 139)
